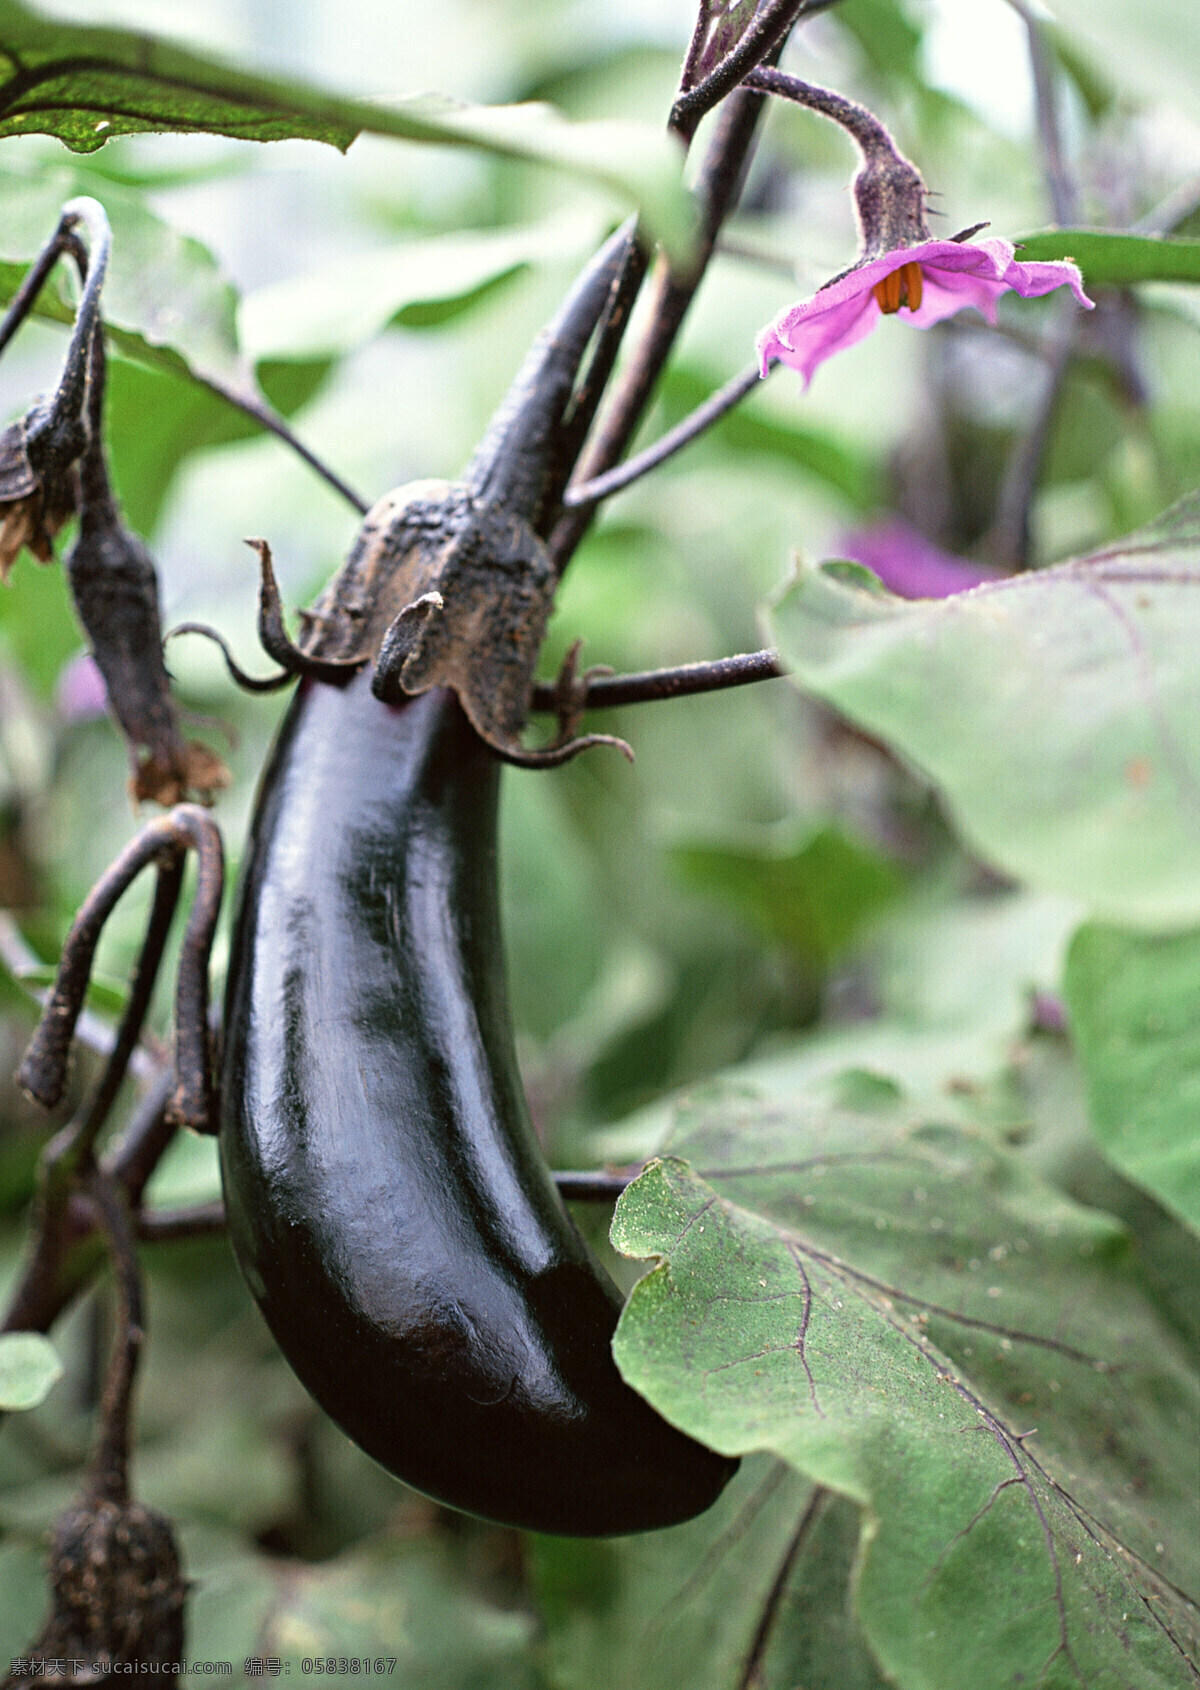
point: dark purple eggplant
(387, 1199)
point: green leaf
(814, 900)
(38, 627)
(166, 300)
(87, 85)
(1135, 1013)
(418, 284)
(761, 1578)
(1057, 711)
(890, 1301)
(1116, 260)
(29, 1366)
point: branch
(110, 1462)
(1060, 184)
(589, 493)
(764, 37)
(1009, 539)
(204, 1220)
(196, 1220)
(267, 417)
(43, 1071)
(717, 189)
(90, 1029)
(608, 691)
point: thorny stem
(586, 399)
(608, 691)
(691, 59)
(703, 417)
(64, 241)
(166, 899)
(133, 1157)
(870, 135)
(765, 36)
(889, 192)
(62, 1256)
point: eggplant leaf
(885, 1297)
(1058, 712)
(87, 85)
(1135, 1013)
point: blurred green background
(752, 878)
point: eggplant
(387, 1200)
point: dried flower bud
(115, 587)
(35, 501)
(118, 1591)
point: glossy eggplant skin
(387, 1199)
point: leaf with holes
(1057, 711)
(887, 1299)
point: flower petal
(1033, 280)
(804, 336)
(956, 275)
(909, 564)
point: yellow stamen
(887, 292)
(911, 274)
(902, 286)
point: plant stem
(251, 405)
(608, 691)
(703, 417)
(765, 36)
(717, 189)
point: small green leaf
(29, 1366)
(1108, 259)
(87, 85)
(813, 900)
(1135, 1013)
(1058, 711)
(892, 1302)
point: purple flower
(911, 566)
(81, 694)
(931, 280)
